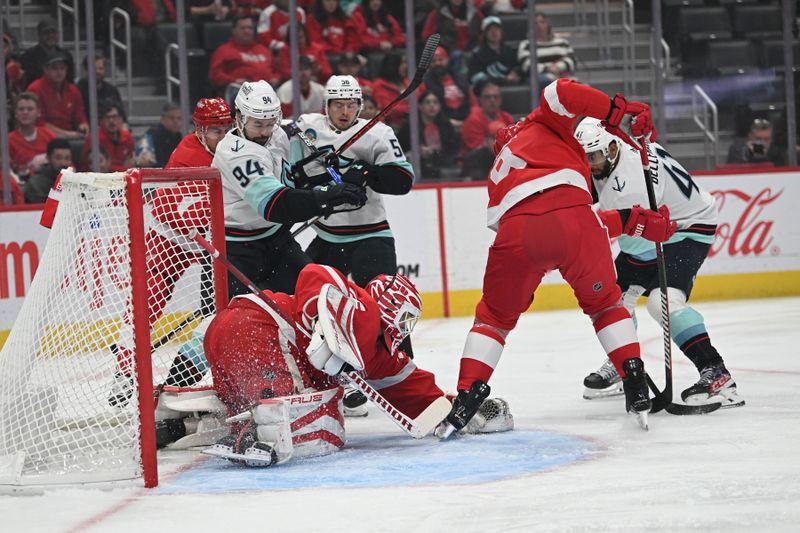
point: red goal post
(119, 289)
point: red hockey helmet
(400, 306)
(212, 112)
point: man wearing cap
(312, 93)
(453, 90)
(61, 101)
(33, 59)
(212, 119)
(350, 64)
(492, 59)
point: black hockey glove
(360, 173)
(334, 195)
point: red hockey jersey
(543, 154)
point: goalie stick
(422, 68)
(417, 427)
(662, 400)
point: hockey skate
(244, 449)
(121, 390)
(714, 386)
(355, 403)
(637, 399)
(493, 416)
(603, 382)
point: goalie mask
(343, 88)
(400, 306)
(597, 143)
(257, 100)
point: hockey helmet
(596, 142)
(343, 88)
(400, 307)
(212, 112)
(256, 99)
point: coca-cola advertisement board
(758, 228)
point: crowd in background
(460, 102)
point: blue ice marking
(382, 461)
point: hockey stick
(417, 427)
(662, 400)
(422, 68)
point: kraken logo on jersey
(311, 133)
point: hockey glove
(640, 222)
(359, 173)
(642, 123)
(331, 196)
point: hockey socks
(481, 354)
(617, 335)
(689, 333)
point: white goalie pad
(201, 412)
(317, 420)
(336, 312)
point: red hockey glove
(641, 222)
(642, 122)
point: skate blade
(356, 412)
(225, 452)
(641, 419)
(609, 392)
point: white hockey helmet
(256, 99)
(596, 141)
(343, 88)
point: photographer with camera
(757, 147)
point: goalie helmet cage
(119, 287)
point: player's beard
(603, 173)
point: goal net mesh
(69, 410)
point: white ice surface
(733, 470)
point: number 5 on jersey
(252, 168)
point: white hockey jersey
(251, 175)
(693, 208)
(379, 146)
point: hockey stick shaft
(403, 422)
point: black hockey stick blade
(663, 402)
(424, 63)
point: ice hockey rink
(569, 465)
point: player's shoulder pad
(378, 131)
(309, 120)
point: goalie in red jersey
(279, 374)
(540, 206)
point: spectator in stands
(458, 23)
(60, 101)
(15, 76)
(478, 162)
(273, 24)
(493, 7)
(757, 147)
(322, 67)
(330, 26)
(27, 144)
(202, 11)
(476, 126)
(370, 108)
(34, 58)
(554, 55)
(453, 90)
(16, 196)
(350, 65)
(240, 59)
(59, 157)
(379, 31)
(105, 91)
(312, 94)
(157, 145)
(493, 60)
(438, 140)
(392, 80)
(117, 141)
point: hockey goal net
(120, 288)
